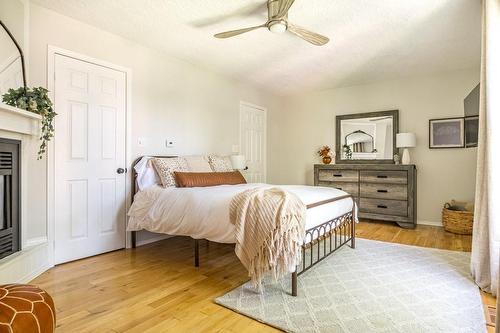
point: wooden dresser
(385, 192)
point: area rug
(378, 287)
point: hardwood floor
(155, 288)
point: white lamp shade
(238, 162)
(406, 140)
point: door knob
(120, 170)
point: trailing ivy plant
(35, 100)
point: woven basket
(456, 221)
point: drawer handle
(381, 176)
(382, 191)
(382, 206)
(337, 175)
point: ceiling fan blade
(307, 35)
(232, 33)
(284, 7)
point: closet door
(253, 141)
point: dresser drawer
(383, 206)
(338, 175)
(384, 191)
(391, 177)
(351, 188)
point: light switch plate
(235, 149)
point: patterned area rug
(378, 287)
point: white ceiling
(371, 40)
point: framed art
(446, 133)
(471, 131)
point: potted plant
(325, 153)
(35, 100)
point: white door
(90, 101)
(253, 141)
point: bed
(203, 213)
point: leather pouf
(27, 309)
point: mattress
(203, 212)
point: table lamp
(406, 140)
(238, 162)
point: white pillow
(198, 163)
(220, 163)
(146, 173)
(229, 164)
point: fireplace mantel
(33, 259)
(18, 120)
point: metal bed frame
(319, 241)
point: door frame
(261, 108)
(52, 51)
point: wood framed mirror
(366, 137)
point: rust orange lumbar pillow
(204, 179)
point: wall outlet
(235, 149)
(169, 143)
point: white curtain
(486, 234)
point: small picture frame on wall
(471, 131)
(446, 133)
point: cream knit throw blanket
(270, 227)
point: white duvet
(203, 212)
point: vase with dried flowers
(325, 153)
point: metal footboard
(323, 240)
(319, 241)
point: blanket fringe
(278, 233)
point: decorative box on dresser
(385, 192)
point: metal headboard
(134, 188)
(134, 173)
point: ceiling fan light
(278, 27)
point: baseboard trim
(432, 223)
(32, 275)
(24, 266)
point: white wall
(171, 98)
(307, 122)
(12, 15)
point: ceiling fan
(278, 23)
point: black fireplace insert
(10, 197)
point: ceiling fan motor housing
(277, 26)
